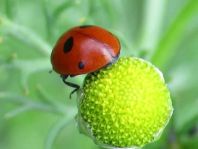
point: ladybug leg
(76, 89)
(75, 86)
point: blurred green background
(35, 111)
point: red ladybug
(84, 49)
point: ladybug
(84, 49)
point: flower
(124, 105)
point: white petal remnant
(124, 105)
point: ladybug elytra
(84, 49)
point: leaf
(167, 45)
(184, 83)
(152, 24)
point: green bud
(124, 105)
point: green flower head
(124, 105)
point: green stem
(45, 96)
(56, 129)
(49, 19)
(63, 6)
(17, 111)
(24, 101)
(167, 45)
(25, 35)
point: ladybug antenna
(75, 86)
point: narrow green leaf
(167, 45)
(152, 23)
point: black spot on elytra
(85, 26)
(68, 45)
(81, 65)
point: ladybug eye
(68, 45)
(81, 65)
